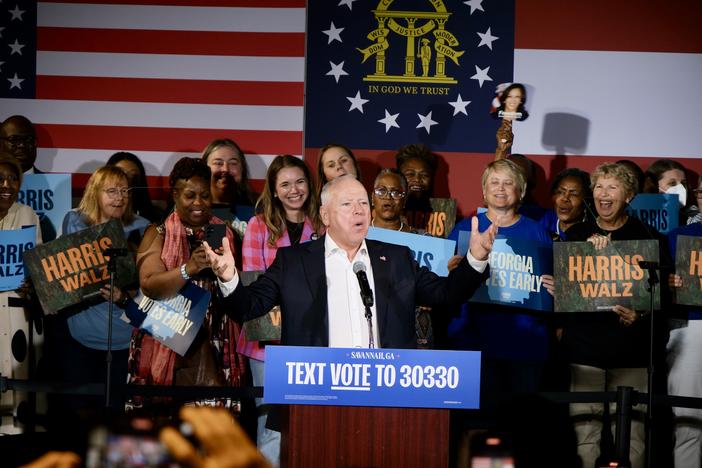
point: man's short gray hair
(324, 196)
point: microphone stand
(653, 280)
(369, 318)
(112, 269)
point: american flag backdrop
(160, 79)
(606, 80)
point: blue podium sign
(372, 377)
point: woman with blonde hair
(607, 349)
(81, 338)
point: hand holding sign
(548, 283)
(505, 138)
(480, 244)
(599, 241)
(675, 281)
(222, 265)
(118, 295)
(626, 316)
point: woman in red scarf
(170, 256)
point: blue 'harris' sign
(431, 252)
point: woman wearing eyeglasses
(389, 195)
(81, 339)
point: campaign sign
(431, 252)
(516, 267)
(590, 280)
(263, 328)
(408, 378)
(67, 270)
(13, 243)
(438, 222)
(174, 322)
(49, 195)
(660, 210)
(688, 264)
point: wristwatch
(184, 272)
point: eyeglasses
(382, 192)
(12, 179)
(16, 140)
(115, 193)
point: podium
(348, 436)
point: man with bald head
(20, 140)
(316, 286)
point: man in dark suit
(317, 290)
(20, 140)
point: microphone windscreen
(359, 266)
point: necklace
(402, 224)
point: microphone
(359, 268)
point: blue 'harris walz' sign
(13, 243)
(372, 377)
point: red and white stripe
(162, 79)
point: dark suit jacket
(297, 281)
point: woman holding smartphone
(170, 256)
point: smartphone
(132, 443)
(214, 234)
(491, 450)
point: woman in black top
(608, 349)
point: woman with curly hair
(170, 256)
